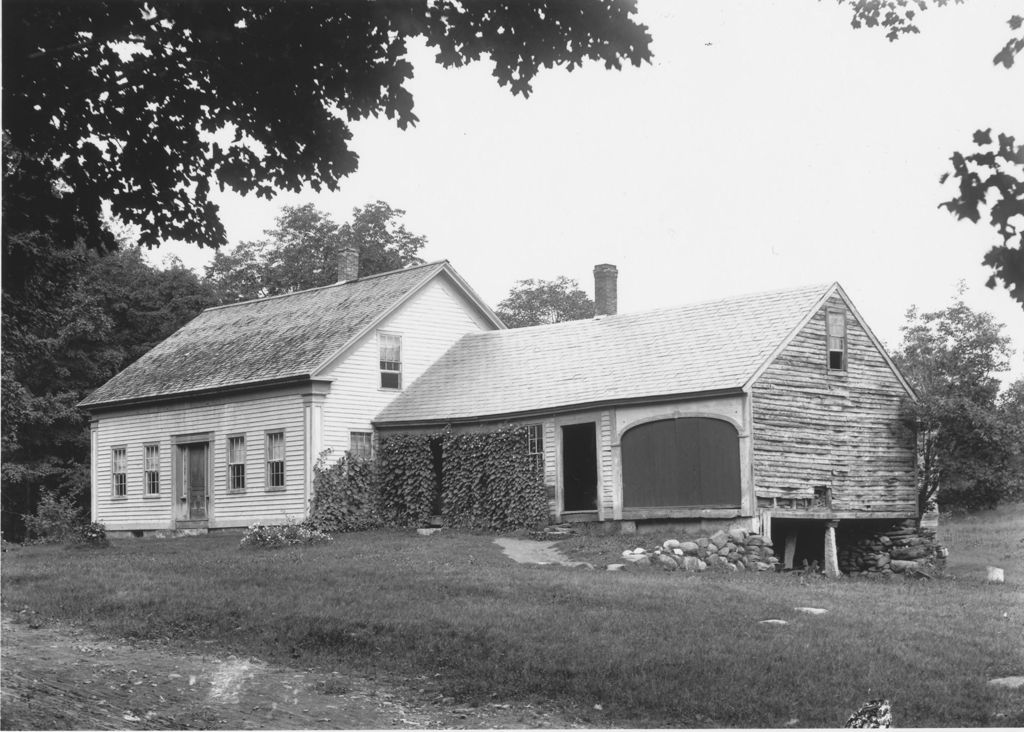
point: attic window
(390, 360)
(836, 340)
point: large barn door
(689, 461)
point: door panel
(197, 481)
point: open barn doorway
(579, 467)
(799, 540)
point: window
(536, 447)
(360, 445)
(236, 464)
(275, 460)
(119, 471)
(390, 360)
(836, 340)
(152, 469)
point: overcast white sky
(768, 145)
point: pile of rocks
(732, 550)
(901, 549)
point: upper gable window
(390, 360)
(836, 320)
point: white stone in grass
(773, 621)
(616, 567)
(1010, 682)
(427, 532)
(670, 543)
(639, 550)
(995, 574)
(811, 610)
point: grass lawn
(651, 648)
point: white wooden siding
(252, 417)
(429, 323)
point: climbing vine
(344, 494)
(406, 482)
(490, 482)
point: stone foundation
(734, 550)
(901, 548)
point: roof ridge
(818, 288)
(325, 287)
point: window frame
(150, 476)
(535, 446)
(369, 442)
(396, 371)
(230, 475)
(269, 473)
(119, 478)
(842, 337)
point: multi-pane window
(360, 445)
(236, 464)
(390, 360)
(836, 340)
(119, 471)
(152, 469)
(535, 435)
(275, 460)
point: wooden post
(790, 551)
(831, 553)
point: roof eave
(557, 409)
(157, 399)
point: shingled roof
(694, 349)
(266, 341)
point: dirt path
(61, 677)
(529, 551)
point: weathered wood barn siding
(838, 429)
(158, 425)
(429, 323)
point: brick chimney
(606, 289)
(348, 263)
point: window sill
(276, 489)
(238, 492)
(119, 498)
(152, 496)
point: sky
(768, 145)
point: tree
(147, 105)
(1011, 412)
(993, 175)
(536, 302)
(950, 357)
(301, 251)
(79, 319)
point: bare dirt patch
(57, 676)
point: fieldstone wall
(734, 550)
(899, 549)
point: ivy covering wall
(344, 495)
(485, 480)
(490, 482)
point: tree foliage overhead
(951, 358)
(129, 102)
(993, 175)
(537, 302)
(301, 251)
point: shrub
(344, 495)
(276, 536)
(56, 520)
(92, 535)
(407, 484)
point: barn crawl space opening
(799, 540)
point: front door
(196, 480)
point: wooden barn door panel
(719, 463)
(681, 462)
